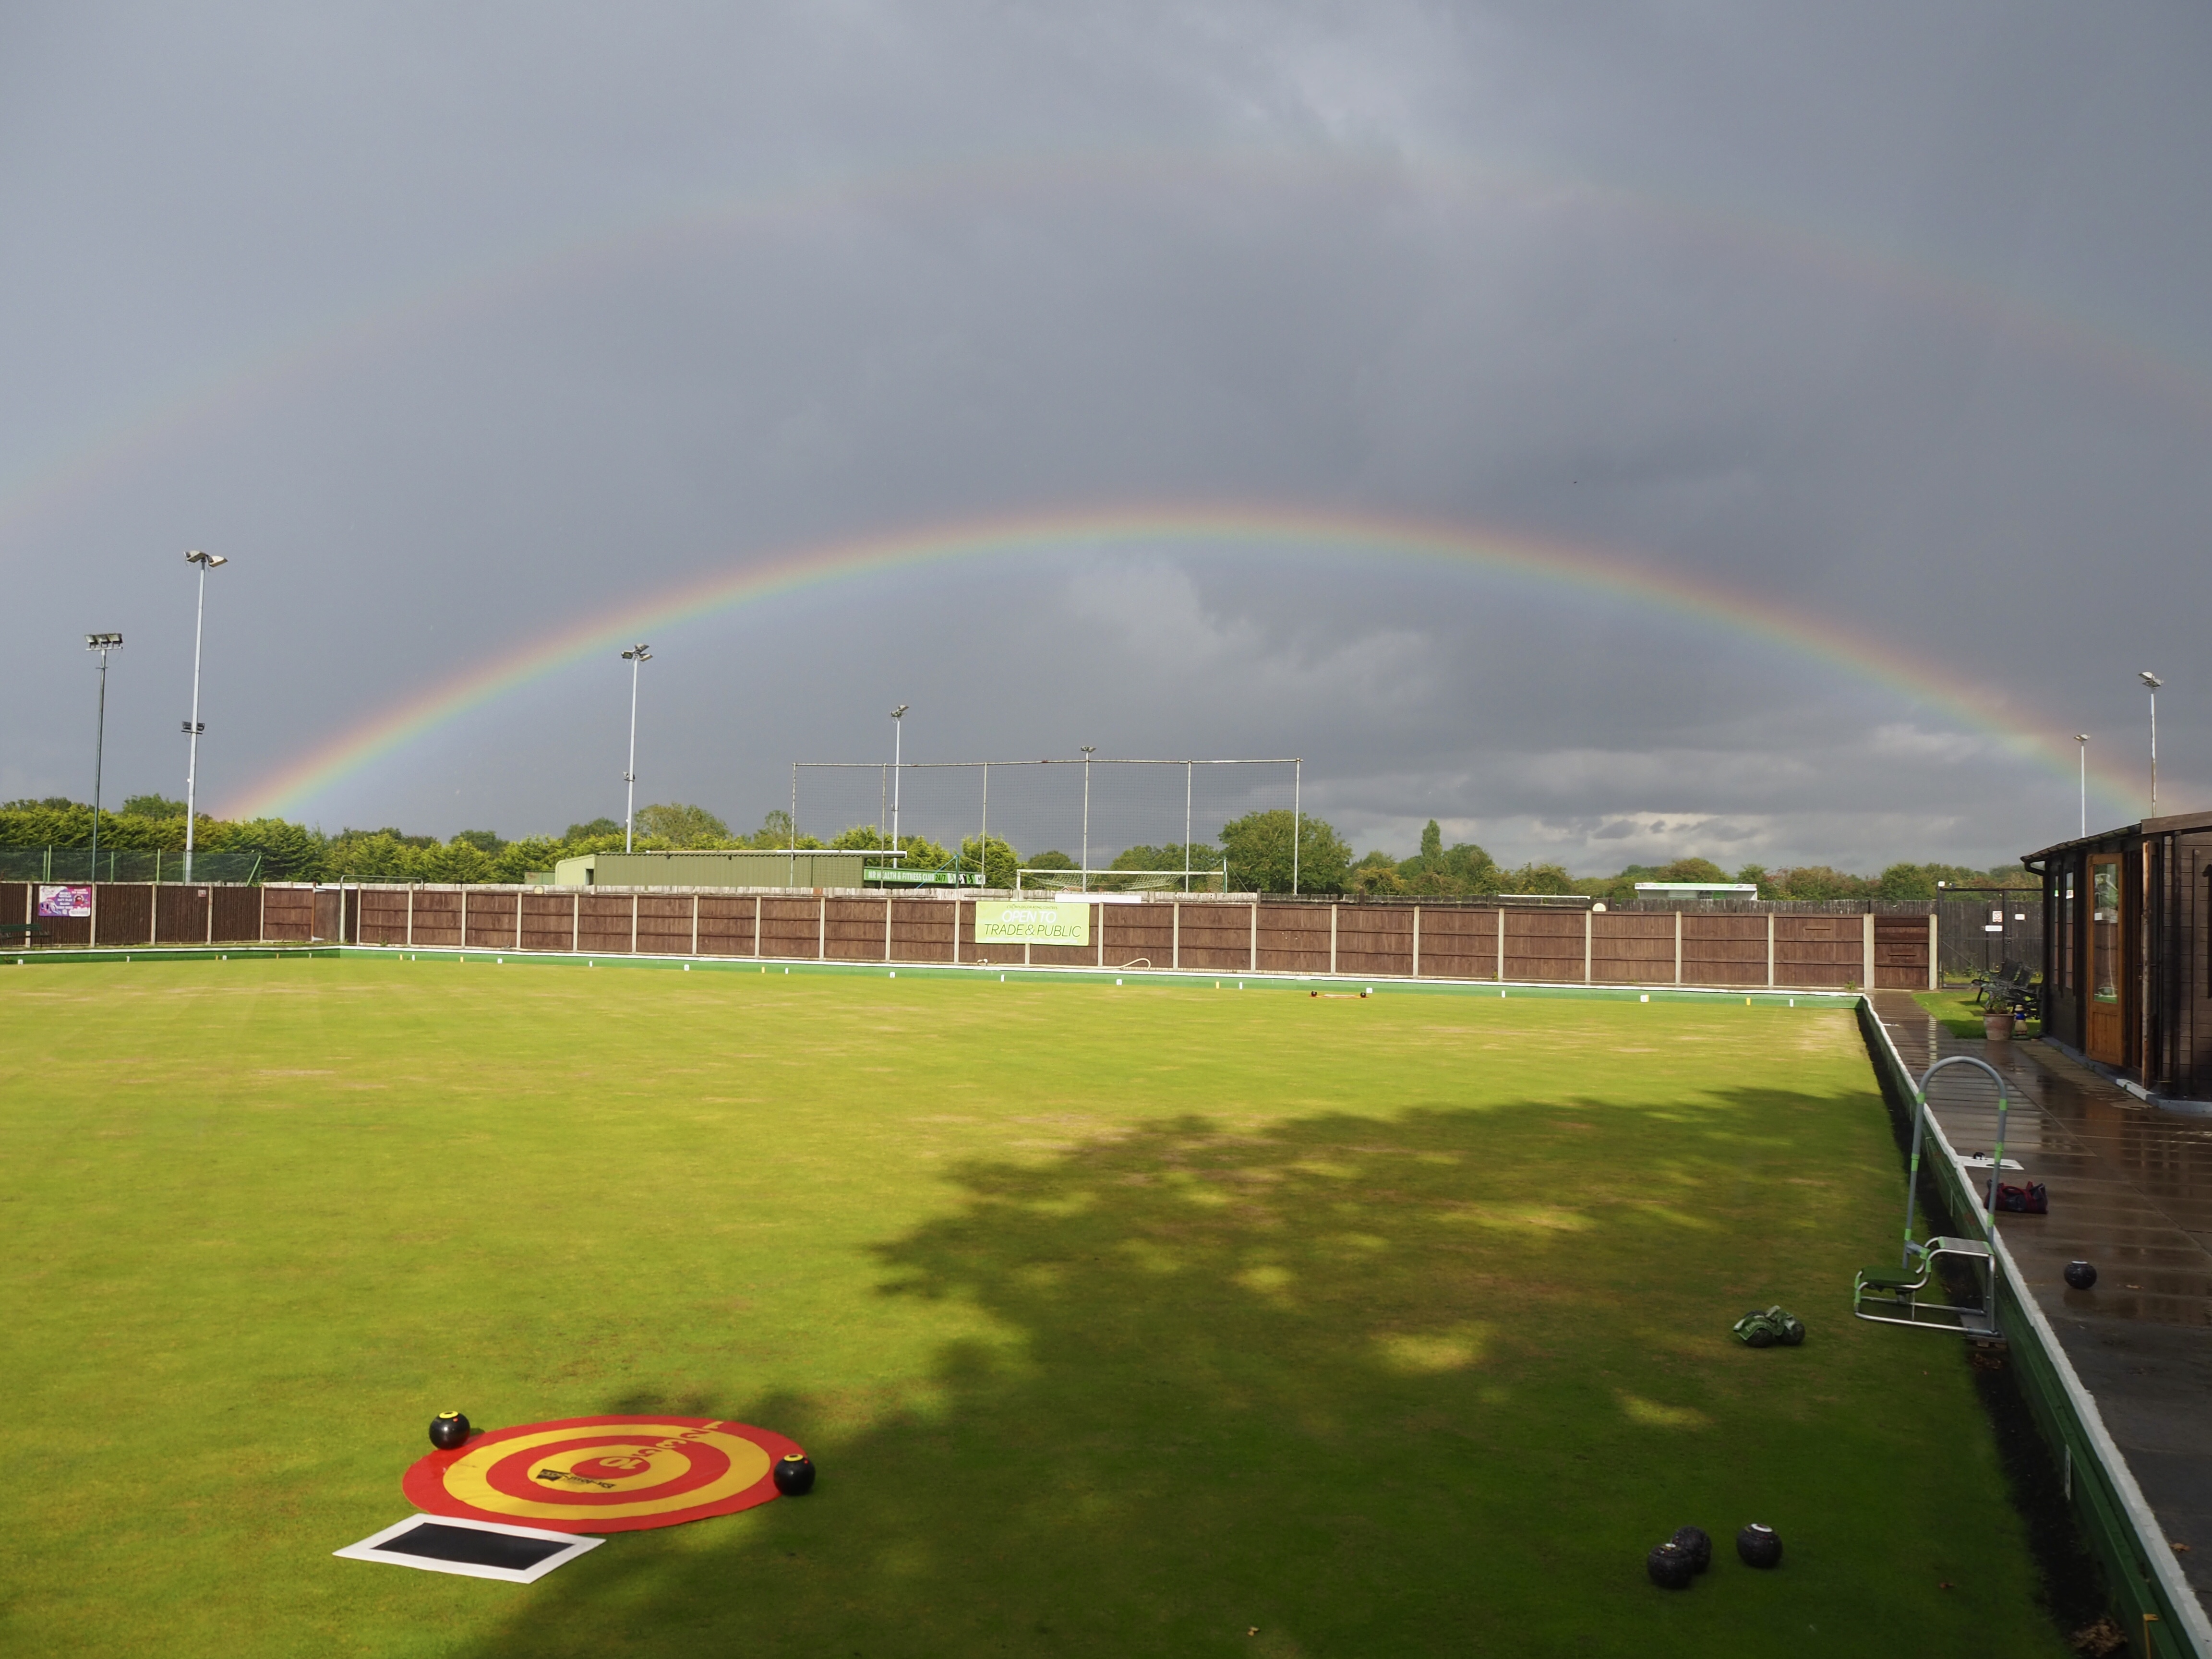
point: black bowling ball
(2080, 1276)
(1696, 1543)
(449, 1430)
(1758, 1545)
(1669, 1567)
(794, 1473)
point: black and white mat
(475, 1549)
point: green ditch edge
(2140, 1570)
(1192, 978)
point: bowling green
(1134, 1320)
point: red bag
(2030, 1199)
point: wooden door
(2106, 1033)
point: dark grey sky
(457, 328)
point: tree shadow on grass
(1343, 1384)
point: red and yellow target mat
(602, 1473)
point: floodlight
(206, 561)
(2151, 679)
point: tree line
(1254, 851)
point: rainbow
(1489, 551)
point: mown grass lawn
(1139, 1320)
(1961, 1015)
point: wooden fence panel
(1457, 943)
(1375, 939)
(852, 930)
(238, 913)
(180, 915)
(437, 918)
(491, 920)
(123, 913)
(725, 925)
(1723, 949)
(1828, 952)
(1216, 938)
(664, 924)
(791, 927)
(289, 915)
(921, 929)
(603, 923)
(382, 918)
(1633, 947)
(1544, 944)
(549, 920)
(1137, 935)
(1900, 953)
(1294, 939)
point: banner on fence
(68, 899)
(1004, 923)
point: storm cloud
(1840, 386)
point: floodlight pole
(898, 754)
(102, 643)
(636, 656)
(1087, 749)
(1298, 805)
(206, 561)
(2153, 682)
(2082, 738)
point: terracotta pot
(1997, 1028)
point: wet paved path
(2131, 1191)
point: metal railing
(2153, 1597)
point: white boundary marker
(371, 1549)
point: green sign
(998, 923)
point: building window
(2105, 930)
(2065, 919)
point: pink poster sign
(71, 899)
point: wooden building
(2127, 952)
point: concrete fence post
(1175, 948)
(1501, 944)
(1934, 942)
(1678, 947)
(1589, 923)
(1255, 953)
(1332, 939)
(1417, 941)
(1867, 982)
(1769, 950)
